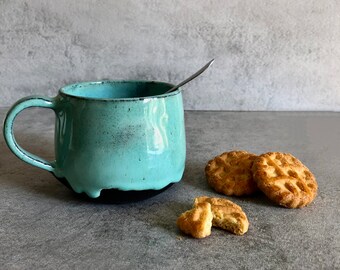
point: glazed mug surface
(124, 135)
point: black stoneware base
(116, 196)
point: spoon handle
(193, 76)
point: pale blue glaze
(124, 135)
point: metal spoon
(193, 76)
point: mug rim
(82, 84)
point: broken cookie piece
(226, 214)
(198, 221)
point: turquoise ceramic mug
(121, 135)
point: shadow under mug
(111, 135)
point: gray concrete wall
(270, 55)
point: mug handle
(20, 105)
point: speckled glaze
(125, 135)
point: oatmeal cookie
(230, 173)
(284, 179)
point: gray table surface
(43, 225)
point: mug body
(124, 135)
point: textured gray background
(44, 226)
(270, 55)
